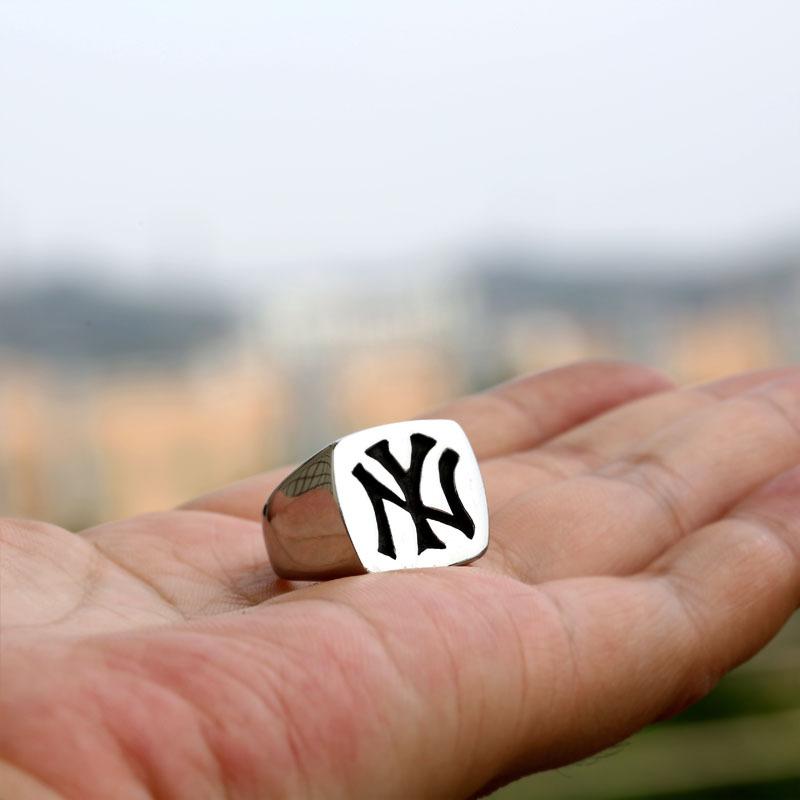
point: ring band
(398, 496)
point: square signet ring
(397, 496)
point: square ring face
(411, 495)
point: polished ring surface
(397, 496)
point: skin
(645, 540)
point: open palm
(644, 540)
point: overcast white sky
(239, 135)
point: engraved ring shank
(398, 496)
(305, 534)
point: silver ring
(398, 496)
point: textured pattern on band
(313, 473)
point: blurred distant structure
(358, 353)
(695, 318)
(362, 354)
(112, 404)
(68, 325)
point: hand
(645, 540)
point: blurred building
(360, 352)
(114, 404)
(696, 318)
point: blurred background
(230, 232)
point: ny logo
(409, 482)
